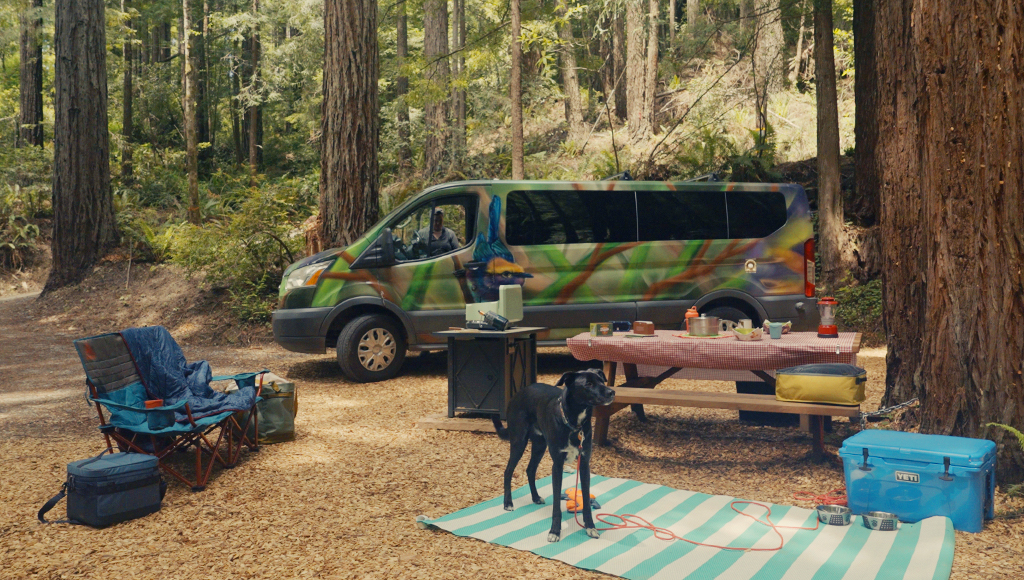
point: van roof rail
(624, 176)
(713, 176)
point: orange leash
(834, 497)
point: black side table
(486, 368)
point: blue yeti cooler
(917, 476)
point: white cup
(745, 323)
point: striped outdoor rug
(923, 550)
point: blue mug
(775, 329)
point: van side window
(755, 214)
(569, 217)
(681, 215)
(434, 228)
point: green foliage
(25, 175)
(755, 164)
(17, 241)
(860, 307)
(1017, 489)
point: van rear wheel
(371, 349)
(729, 313)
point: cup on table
(745, 323)
(775, 329)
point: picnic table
(648, 361)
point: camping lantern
(827, 312)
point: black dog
(558, 419)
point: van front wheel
(371, 349)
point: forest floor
(340, 500)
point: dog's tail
(499, 428)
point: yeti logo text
(908, 477)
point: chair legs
(208, 449)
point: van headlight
(306, 275)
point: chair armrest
(107, 403)
(244, 377)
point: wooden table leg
(602, 416)
(818, 435)
(629, 370)
(609, 372)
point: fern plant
(1017, 488)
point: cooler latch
(946, 476)
(864, 466)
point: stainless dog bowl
(882, 521)
(834, 515)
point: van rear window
(569, 217)
(755, 214)
(681, 215)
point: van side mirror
(379, 254)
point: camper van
(582, 252)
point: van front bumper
(298, 329)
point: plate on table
(748, 334)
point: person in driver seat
(440, 239)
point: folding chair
(122, 381)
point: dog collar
(562, 402)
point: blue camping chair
(127, 371)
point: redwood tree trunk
(30, 131)
(189, 108)
(866, 96)
(949, 150)
(517, 93)
(636, 71)
(402, 89)
(458, 91)
(253, 114)
(570, 81)
(435, 50)
(651, 80)
(83, 210)
(831, 237)
(127, 125)
(619, 55)
(349, 126)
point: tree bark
(619, 55)
(794, 72)
(30, 130)
(636, 71)
(517, 92)
(127, 126)
(672, 22)
(950, 144)
(236, 106)
(651, 82)
(189, 108)
(253, 113)
(349, 138)
(866, 125)
(692, 12)
(831, 236)
(768, 69)
(459, 66)
(570, 80)
(402, 89)
(198, 47)
(83, 210)
(435, 50)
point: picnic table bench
(671, 354)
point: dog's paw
(539, 501)
(554, 537)
(593, 533)
(510, 508)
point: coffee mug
(726, 325)
(775, 329)
(745, 323)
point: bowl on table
(748, 333)
(786, 326)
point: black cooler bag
(108, 489)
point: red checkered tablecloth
(668, 350)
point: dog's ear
(600, 373)
(566, 378)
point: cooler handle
(945, 475)
(864, 466)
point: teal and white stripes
(917, 551)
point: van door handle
(475, 264)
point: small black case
(105, 490)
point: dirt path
(339, 502)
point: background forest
(733, 95)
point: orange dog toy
(575, 501)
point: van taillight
(809, 268)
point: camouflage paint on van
(574, 273)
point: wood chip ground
(340, 501)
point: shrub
(1017, 488)
(860, 307)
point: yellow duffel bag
(836, 384)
